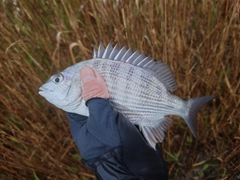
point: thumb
(87, 74)
(93, 84)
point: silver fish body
(139, 87)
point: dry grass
(199, 40)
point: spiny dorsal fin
(158, 69)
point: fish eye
(57, 78)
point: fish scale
(139, 86)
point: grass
(199, 40)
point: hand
(93, 84)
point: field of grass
(199, 40)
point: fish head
(65, 92)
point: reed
(199, 40)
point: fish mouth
(43, 90)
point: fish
(140, 87)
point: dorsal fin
(157, 68)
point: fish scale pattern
(134, 91)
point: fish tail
(195, 105)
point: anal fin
(156, 133)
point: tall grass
(199, 40)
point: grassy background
(199, 40)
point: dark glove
(98, 133)
(138, 155)
(110, 144)
(103, 132)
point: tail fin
(195, 105)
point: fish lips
(43, 90)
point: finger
(87, 74)
(99, 77)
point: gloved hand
(110, 144)
(93, 84)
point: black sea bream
(140, 88)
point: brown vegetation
(199, 40)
